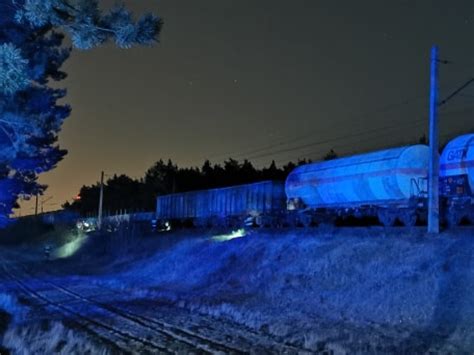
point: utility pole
(433, 173)
(101, 200)
(36, 205)
(43, 202)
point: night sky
(262, 79)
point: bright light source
(85, 226)
(164, 227)
(225, 237)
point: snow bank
(417, 289)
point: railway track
(156, 337)
(123, 340)
(127, 331)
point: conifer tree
(31, 55)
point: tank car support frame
(387, 217)
(458, 211)
(408, 217)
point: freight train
(390, 185)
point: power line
(383, 109)
(359, 134)
(386, 108)
(316, 155)
(371, 133)
(253, 154)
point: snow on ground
(411, 291)
(352, 290)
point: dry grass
(50, 338)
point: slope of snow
(315, 287)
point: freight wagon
(457, 180)
(390, 184)
(258, 203)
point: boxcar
(229, 206)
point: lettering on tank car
(456, 154)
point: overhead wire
(383, 109)
(343, 137)
(272, 149)
(417, 122)
(371, 135)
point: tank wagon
(457, 180)
(258, 203)
(389, 184)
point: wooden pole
(101, 201)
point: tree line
(125, 194)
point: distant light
(85, 226)
(226, 237)
(77, 198)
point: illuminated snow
(226, 237)
(70, 248)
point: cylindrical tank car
(389, 184)
(457, 179)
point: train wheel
(408, 218)
(387, 218)
(453, 219)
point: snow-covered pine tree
(31, 54)
(30, 117)
(87, 25)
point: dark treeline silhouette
(330, 155)
(125, 194)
